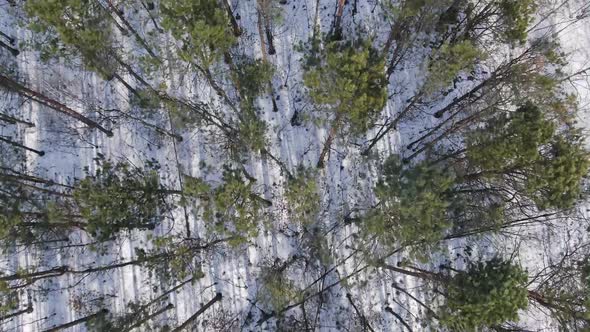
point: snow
(231, 271)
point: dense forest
(294, 165)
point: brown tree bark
(328, 144)
(337, 25)
(234, 22)
(21, 146)
(10, 49)
(22, 90)
(78, 321)
(148, 317)
(204, 308)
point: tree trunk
(425, 275)
(13, 120)
(263, 49)
(44, 100)
(184, 325)
(337, 25)
(362, 317)
(21, 146)
(20, 176)
(159, 130)
(10, 49)
(45, 273)
(328, 144)
(27, 310)
(78, 321)
(268, 31)
(234, 22)
(454, 128)
(148, 317)
(148, 8)
(398, 317)
(11, 40)
(129, 27)
(392, 125)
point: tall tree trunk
(19, 275)
(149, 6)
(264, 21)
(13, 120)
(328, 144)
(148, 317)
(192, 318)
(159, 130)
(337, 25)
(21, 146)
(11, 40)
(10, 49)
(399, 318)
(269, 37)
(362, 317)
(392, 125)
(129, 27)
(27, 310)
(234, 22)
(263, 49)
(454, 128)
(13, 85)
(78, 321)
(425, 275)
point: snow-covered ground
(232, 272)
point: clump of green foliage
(8, 299)
(516, 16)
(303, 196)
(448, 62)
(119, 197)
(231, 208)
(251, 78)
(172, 258)
(349, 81)
(524, 150)
(81, 25)
(276, 290)
(413, 203)
(489, 293)
(201, 25)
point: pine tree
(524, 151)
(120, 197)
(251, 78)
(413, 204)
(348, 82)
(303, 197)
(83, 25)
(201, 25)
(487, 294)
(449, 61)
(516, 16)
(231, 208)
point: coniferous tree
(524, 151)
(413, 204)
(486, 294)
(348, 82)
(82, 25)
(201, 25)
(120, 197)
(231, 208)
